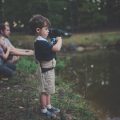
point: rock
(80, 49)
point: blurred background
(71, 15)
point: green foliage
(61, 63)
(70, 102)
(100, 38)
(74, 14)
(26, 65)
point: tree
(75, 15)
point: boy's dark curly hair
(38, 21)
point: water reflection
(97, 76)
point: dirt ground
(19, 100)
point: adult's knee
(6, 72)
(11, 66)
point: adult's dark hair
(2, 27)
(38, 21)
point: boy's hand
(58, 44)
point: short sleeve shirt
(7, 42)
(43, 49)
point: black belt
(46, 69)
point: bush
(26, 65)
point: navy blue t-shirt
(43, 50)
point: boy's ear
(37, 29)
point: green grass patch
(71, 102)
(26, 65)
(102, 38)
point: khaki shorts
(47, 81)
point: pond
(97, 78)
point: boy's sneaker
(53, 110)
(49, 114)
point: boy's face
(6, 31)
(43, 31)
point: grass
(20, 95)
(27, 65)
(71, 103)
(102, 38)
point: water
(97, 76)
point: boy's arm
(58, 45)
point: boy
(45, 55)
(15, 53)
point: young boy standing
(45, 55)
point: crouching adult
(15, 53)
(6, 69)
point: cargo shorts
(47, 81)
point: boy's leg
(43, 103)
(43, 100)
(48, 100)
(50, 77)
(50, 108)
